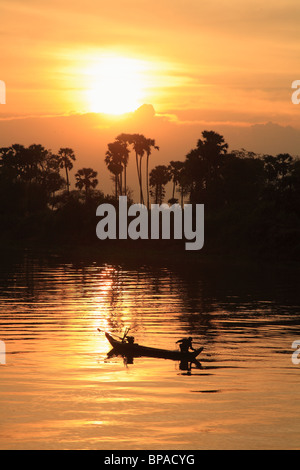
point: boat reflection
(184, 364)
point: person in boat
(130, 339)
(185, 344)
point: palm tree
(141, 145)
(35, 160)
(184, 184)
(65, 157)
(86, 178)
(203, 165)
(174, 168)
(116, 159)
(136, 140)
(149, 143)
(159, 177)
(122, 139)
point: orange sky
(227, 61)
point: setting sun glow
(115, 85)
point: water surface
(59, 390)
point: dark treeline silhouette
(117, 157)
(252, 201)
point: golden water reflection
(59, 389)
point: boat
(132, 349)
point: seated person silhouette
(185, 344)
(130, 339)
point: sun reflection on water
(60, 389)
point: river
(59, 390)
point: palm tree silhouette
(149, 143)
(65, 157)
(203, 165)
(184, 183)
(174, 168)
(116, 159)
(159, 177)
(136, 140)
(140, 145)
(86, 178)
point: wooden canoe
(136, 350)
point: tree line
(209, 174)
(250, 192)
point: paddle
(126, 333)
(102, 331)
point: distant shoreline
(145, 253)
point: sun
(115, 85)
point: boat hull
(136, 350)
